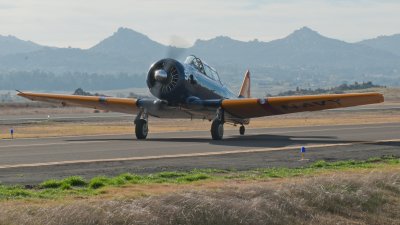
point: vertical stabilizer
(245, 89)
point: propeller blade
(177, 47)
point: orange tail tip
(245, 89)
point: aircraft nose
(161, 75)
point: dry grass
(392, 95)
(47, 129)
(39, 108)
(357, 198)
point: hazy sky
(83, 23)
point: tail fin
(245, 89)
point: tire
(141, 129)
(217, 129)
(242, 129)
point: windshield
(202, 67)
(196, 63)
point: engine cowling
(165, 80)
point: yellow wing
(123, 105)
(253, 107)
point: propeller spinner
(164, 79)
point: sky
(77, 23)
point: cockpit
(202, 67)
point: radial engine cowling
(166, 80)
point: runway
(29, 161)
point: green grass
(78, 186)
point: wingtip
(382, 98)
(19, 92)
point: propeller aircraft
(192, 89)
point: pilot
(198, 65)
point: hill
(12, 45)
(385, 43)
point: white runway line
(194, 154)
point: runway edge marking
(191, 154)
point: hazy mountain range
(12, 45)
(304, 57)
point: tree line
(334, 90)
(41, 80)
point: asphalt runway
(30, 161)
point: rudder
(245, 89)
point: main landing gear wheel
(217, 129)
(242, 129)
(141, 129)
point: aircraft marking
(310, 104)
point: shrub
(98, 182)
(75, 181)
(50, 184)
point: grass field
(79, 187)
(345, 192)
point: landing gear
(217, 129)
(141, 126)
(217, 126)
(141, 129)
(242, 129)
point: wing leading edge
(253, 107)
(123, 105)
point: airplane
(193, 90)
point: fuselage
(176, 82)
(190, 89)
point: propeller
(177, 47)
(164, 77)
(171, 78)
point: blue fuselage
(204, 87)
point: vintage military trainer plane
(193, 90)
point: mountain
(385, 43)
(225, 50)
(308, 47)
(130, 51)
(304, 57)
(12, 45)
(304, 47)
(130, 44)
